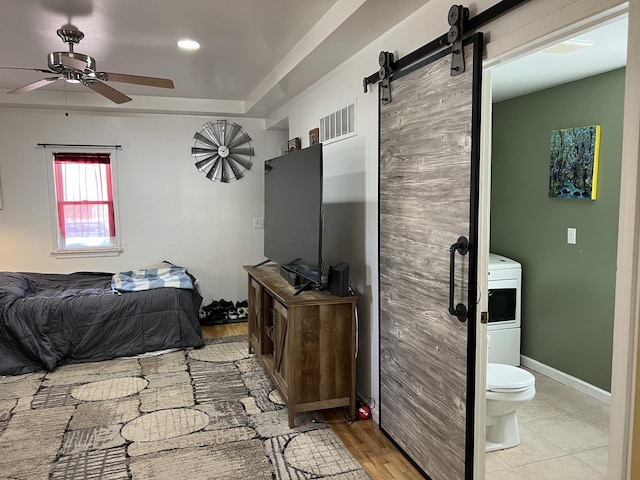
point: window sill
(88, 252)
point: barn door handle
(462, 247)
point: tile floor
(564, 435)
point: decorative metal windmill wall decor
(221, 147)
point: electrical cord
(348, 421)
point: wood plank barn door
(429, 158)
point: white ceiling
(539, 70)
(247, 64)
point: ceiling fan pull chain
(66, 107)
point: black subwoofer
(339, 279)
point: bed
(51, 319)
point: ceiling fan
(76, 67)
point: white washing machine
(505, 285)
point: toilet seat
(508, 379)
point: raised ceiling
(254, 56)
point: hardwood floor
(372, 448)
(227, 330)
(365, 441)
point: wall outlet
(258, 223)
(571, 236)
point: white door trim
(484, 225)
(627, 299)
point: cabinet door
(281, 345)
(255, 316)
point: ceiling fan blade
(136, 79)
(74, 63)
(42, 70)
(35, 85)
(107, 91)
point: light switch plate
(571, 236)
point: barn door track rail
(460, 26)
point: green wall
(567, 290)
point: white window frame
(58, 248)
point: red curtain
(84, 194)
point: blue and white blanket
(147, 279)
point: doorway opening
(567, 289)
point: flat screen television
(293, 212)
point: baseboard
(566, 379)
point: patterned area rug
(210, 413)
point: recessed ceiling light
(568, 46)
(187, 44)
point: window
(84, 202)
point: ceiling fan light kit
(73, 67)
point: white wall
(168, 209)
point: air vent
(339, 124)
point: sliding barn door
(429, 157)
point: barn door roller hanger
(459, 25)
(456, 18)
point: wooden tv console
(306, 342)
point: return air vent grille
(338, 124)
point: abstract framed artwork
(573, 170)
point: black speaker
(339, 279)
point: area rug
(209, 413)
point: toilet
(508, 388)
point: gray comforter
(50, 319)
